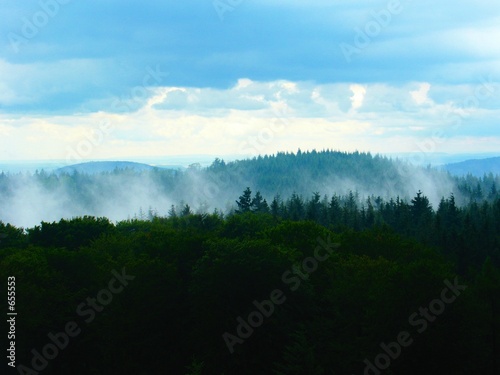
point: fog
(27, 199)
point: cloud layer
(253, 118)
(213, 76)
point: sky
(109, 79)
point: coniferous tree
(186, 211)
(275, 207)
(324, 215)
(314, 207)
(259, 204)
(493, 192)
(295, 207)
(245, 201)
(370, 213)
(421, 216)
(335, 211)
(171, 212)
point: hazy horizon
(193, 158)
(168, 83)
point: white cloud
(263, 117)
(420, 96)
(358, 96)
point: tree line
(376, 299)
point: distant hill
(119, 189)
(476, 167)
(104, 166)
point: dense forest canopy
(311, 266)
(294, 286)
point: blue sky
(123, 79)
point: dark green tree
(245, 201)
(259, 204)
(421, 216)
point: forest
(317, 284)
(249, 187)
(27, 199)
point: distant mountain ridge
(475, 167)
(119, 189)
(104, 166)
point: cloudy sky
(126, 79)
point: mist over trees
(26, 200)
(308, 263)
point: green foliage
(10, 236)
(195, 368)
(245, 201)
(199, 275)
(71, 234)
(299, 357)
